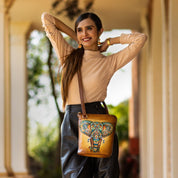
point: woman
(97, 71)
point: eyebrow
(86, 26)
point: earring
(79, 45)
(99, 43)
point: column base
(3, 175)
(24, 176)
(16, 176)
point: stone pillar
(165, 95)
(19, 99)
(173, 82)
(3, 171)
(157, 56)
(133, 111)
(5, 125)
(154, 97)
(146, 156)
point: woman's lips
(86, 39)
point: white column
(165, 96)
(19, 98)
(154, 98)
(149, 118)
(5, 152)
(173, 69)
(143, 127)
(2, 56)
(157, 57)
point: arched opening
(44, 128)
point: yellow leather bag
(96, 131)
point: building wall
(158, 99)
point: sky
(119, 88)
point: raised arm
(53, 28)
(49, 19)
(135, 40)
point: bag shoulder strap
(81, 92)
(80, 83)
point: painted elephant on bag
(96, 132)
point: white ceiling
(115, 14)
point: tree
(71, 7)
(43, 149)
(121, 112)
(41, 62)
(35, 66)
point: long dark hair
(73, 62)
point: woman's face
(87, 34)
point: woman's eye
(79, 30)
(89, 28)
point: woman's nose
(85, 32)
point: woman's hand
(104, 46)
(110, 41)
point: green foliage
(36, 54)
(71, 8)
(43, 147)
(121, 112)
(37, 67)
(44, 142)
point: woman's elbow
(45, 16)
(144, 37)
